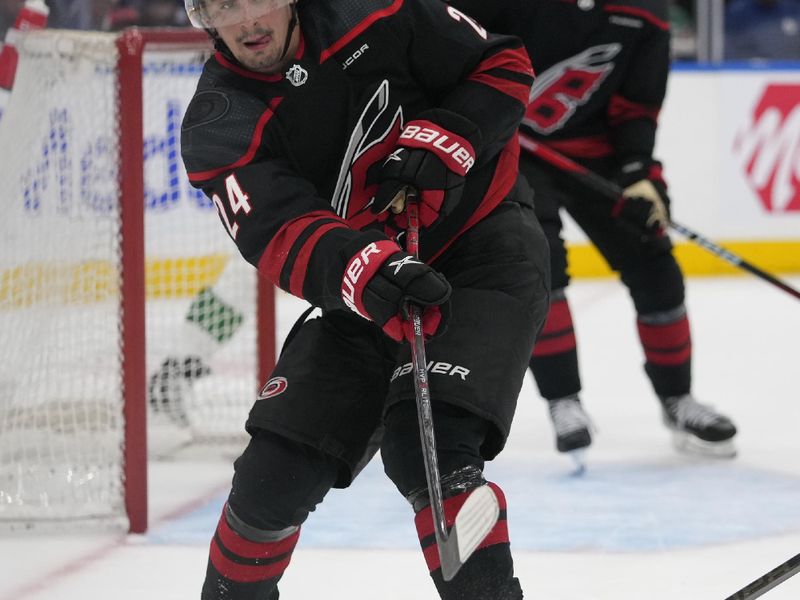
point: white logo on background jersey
(563, 88)
(297, 75)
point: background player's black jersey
(601, 70)
(290, 159)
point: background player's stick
(612, 191)
(478, 515)
(769, 580)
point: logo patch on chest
(297, 75)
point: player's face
(257, 41)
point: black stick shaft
(769, 580)
(612, 191)
(423, 393)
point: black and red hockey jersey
(289, 159)
(601, 70)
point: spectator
(90, 15)
(162, 13)
(8, 13)
(762, 29)
(684, 33)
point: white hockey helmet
(213, 14)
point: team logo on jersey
(297, 75)
(560, 90)
(275, 386)
(374, 135)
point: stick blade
(477, 517)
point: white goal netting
(62, 424)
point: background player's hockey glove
(434, 153)
(381, 279)
(645, 203)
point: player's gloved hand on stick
(380, 280)
(645, 202)
(434, 153)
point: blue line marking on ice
(612, 507)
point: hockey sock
(667, 345)
(489, 572)
(555, 357)
(242, 569)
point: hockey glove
(645, 203)
(432, 159)
(381, 279)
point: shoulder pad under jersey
(222, 128)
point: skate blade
(578, 458)
(689, 444)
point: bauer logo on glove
(380, 280)
(432, 159)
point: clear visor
(213, 14)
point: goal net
(127, 316)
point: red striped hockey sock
(667, 345)
(489, 572)
(554, 361)
(558, 334)
(241, 569)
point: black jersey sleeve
(277, 219)
(633, 111)
(467, 70)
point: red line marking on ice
(81, 563)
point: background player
(602, 70)
(312, 119)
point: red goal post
(114, 274)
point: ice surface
(642, 523)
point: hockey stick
(612, 191)
(479, 513)
(769, 580)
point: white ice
(643, 523)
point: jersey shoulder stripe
(654, 12)
(338, 23)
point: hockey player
(602, 71)
(308, 126)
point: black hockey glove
(433, 155)
(381, 279)
(645, 203)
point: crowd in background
(760, 29)
(754, 29)
(102, 15)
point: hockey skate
(698, 428)
(572, 428)
(171, 384)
